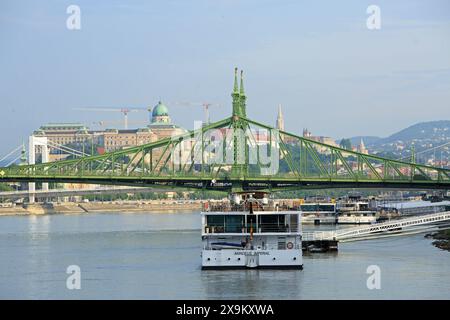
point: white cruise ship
(319, 213)
(356, 212)
(250, 232)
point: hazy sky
(317, 58)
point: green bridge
(236, 153)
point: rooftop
(63, 125)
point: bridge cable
(12, 152)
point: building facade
(116, 139)
(64, 133)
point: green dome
(160, 110)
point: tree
(5, 187)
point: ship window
(234, 224)
(272, 223)
(317, 207)
(326, 207)
(293, 223)
(308, 207)
(216, 223)
(363, 207)
(225, 223)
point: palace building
(77, 134)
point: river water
(157, 256)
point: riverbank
(442, 239)
(113, 206)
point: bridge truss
(236, 153)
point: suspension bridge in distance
(234, 154)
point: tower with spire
(280, 119)
(362, 147)
(236, 96)
(23, 155)
(242, 97)
(239, 167)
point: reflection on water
(251, 284)
(157, 256)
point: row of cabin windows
(318, 207)
(237, 223)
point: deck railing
(262, 228)
(226, 207)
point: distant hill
(432, 130)
(424, 136)
(423, 131)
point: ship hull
(252, 259)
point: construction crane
(125, 112)
(205, 105)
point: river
(157, 256)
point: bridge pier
(34, 141)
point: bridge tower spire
(235, 95)
(239, 168)
(242, 96)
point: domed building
(160, 114)
(160, 122)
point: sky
(318, 59)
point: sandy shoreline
(115, 207)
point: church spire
(362, 144)
(362, 148)
(280, 120)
